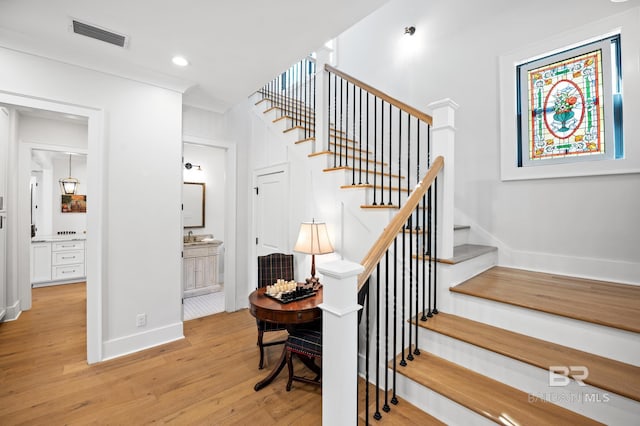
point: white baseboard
(13, 312)
(591, 268)
(141, 341)
(581, 267)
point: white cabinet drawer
(67, 245)
(196, 252)
(67, 257)
(67, 272)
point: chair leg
(260, 335)
(290, 366)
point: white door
(272, 194)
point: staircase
(486, 356)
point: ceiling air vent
(97, 33)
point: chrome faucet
(189, 236)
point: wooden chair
(271, 268)
(306, 343)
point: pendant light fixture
(69, 185)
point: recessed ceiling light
(618, 1)
(180, 61)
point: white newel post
(340, 342)
(443, 144)
(323, 55)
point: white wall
(202, 123)
(583, 226)
(140, 151)
(47, 131)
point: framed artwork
(74, 204)
(566, 106)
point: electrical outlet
(141, 320)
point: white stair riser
(460, 236)
(600, 340)
(612, 408)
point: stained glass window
(566, 105)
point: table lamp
(313, 239)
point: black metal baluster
(408, 155)
(335, 120)
(298, 110)
(418, 152)
(386, 407)
(377, 414)
(394, 398)
(341, 132)
(329, 113)
(416, 351)
(410, 355)
(353, 133)
(346, 128)
(381, 152)
(315, 84)
(424, 257)
(366, 175)
(429, 246)
(399, 157)
(367, 353)
(360, 138)
(375, 146)
(390, 156)
(435, 246)
(403, 362)
(285, 93)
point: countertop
(53, 238)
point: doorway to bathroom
(208, 285)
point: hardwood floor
(206, 378)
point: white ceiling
(234, 46)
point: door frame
(231, 294)
(96, 180)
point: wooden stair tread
(604, 373)
(487, 397)
(353, 157)
(404, 413)
(462, 253)
(300, 121)
(364, 171)
(386, 206)
(598, 302)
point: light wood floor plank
(206, 378)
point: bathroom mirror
(193, 204)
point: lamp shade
(313, 238)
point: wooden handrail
(393, 101)
(389, 233)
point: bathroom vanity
(57, 260)
(200, 265)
